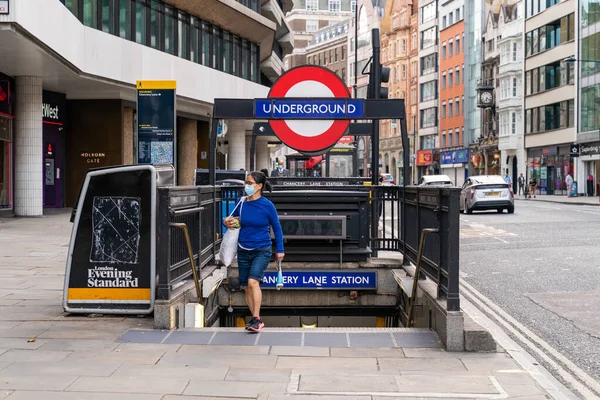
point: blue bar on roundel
(309, 108)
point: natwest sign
(50, 112)
(4, 9)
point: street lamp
(572, 59)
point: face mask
(280, 168)
(249, 189)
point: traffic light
(377, 76)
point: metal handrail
(413, 294)
(188, 242)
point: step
(318, 337)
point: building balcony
(235, 18)
(510, 68)
(510, 142)
(272, 67)
(511, 102)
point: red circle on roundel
(325, 140)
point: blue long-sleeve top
(257, 217)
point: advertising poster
(156, 122)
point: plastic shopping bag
(229, 244)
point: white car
(435, 180)
(486, 192)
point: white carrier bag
(229, 244)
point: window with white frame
(449, 143)
(514, 52)
(403, 72)
(513, 123)
(312, 5)
(403, 46)
(450, 47)
(457, 106)
(335, 5)
(312, 25)
(443, 109)
(443, 139)
(514, 87)
(353, 6)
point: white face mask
(280, 167)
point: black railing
(195, 207)
(402, 214)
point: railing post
(449, 237)
(163, 244)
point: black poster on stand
(156, 122)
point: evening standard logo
(109, 277)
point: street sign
(309, 109)
(156, 122)
(574, 150)
(332, 280)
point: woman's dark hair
(265, 171)
(259, 177)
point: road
(541, 265)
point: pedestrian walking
(508, 179)
(280, 171)
(521, 181)
(257, 218)
(532, 186)
(569, 182)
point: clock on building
(486, 98)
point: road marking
(502, 240)
(530, 271)
(566, 269)
(567, 370)
(496, 272)
(538, 259)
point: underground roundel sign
(309, 109)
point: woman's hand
(279, 256)
(231, 222)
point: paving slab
(116, 357)
(242, 338)
(77, 345)
(347, 383)
(120, 384)
(144, 336)
(46, 395)
(366, 352)
(319, 397)
(326, 339)
(446, 384)
(173, 372)
(257, 375)
(34, 356)
(22, 343)
(429, 353)
(519, 391)
(484, 363)
(151, 347)
(371, 340)
(211, 360)
(331, 363)
(280, 339)
(185, 337)
(450, 365)
(26, 382)
(180, 397)
(59, 369)
(417, 340)
(221, 350)
(304, 351)
(233, 389)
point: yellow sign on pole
(141, 85)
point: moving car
(435, 180)
(486, 192)
(388, 179)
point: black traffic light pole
(375, 78)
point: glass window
(458, 75)
(449, 143)
(514, 87)
(428, 91)
(428, 38)
(156, 24)
(125, 19)
(444, 51)
(590, 50)
(443, 109)
(450, 48)
(183, 36)
(428, 64)
(312, 25)
(514, 52)
(335, 6)
(207, 47)
(450, 80)
(108, 16)
(513, 128)
(449, 109)
(254, 62)
(457, 45)
(457, 106)
(227, 50)
(312, 5)
(428, 12)
(527, 83)
(217, 48)
(73, 6)
(90, 13)
(170, 30)
(428, 117)
(443, 139)
(528, 121)
(195, 29)
(590, 12)
(444, 80)
(140, 23)
(456, 136)
(245, 59)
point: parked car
(486, 192)
(388, 179)
(435, 180)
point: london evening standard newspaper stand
(112, 254)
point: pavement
(47, 354)
(541, 266)
(579, 200)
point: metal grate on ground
(319, 337)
